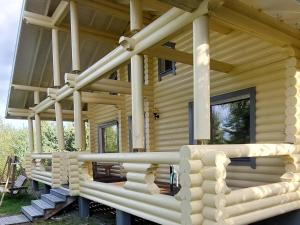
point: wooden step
(16, 219)
(52, 199)
(60, 193)
(31, 213)
(41, 205)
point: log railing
(47, 168)
(221, 205)
(205, 195)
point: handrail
(150, 157)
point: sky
(9, 22)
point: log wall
(271, 70)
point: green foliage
(13, 204)
(238, 124)
(12, 141)
(111, 138)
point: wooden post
(37, 125)
(201, 78)
(30, 135)
(59, 126)
(78, 120)
(83, 136)
(36, 97)
(55, 54)
(137, 81)
(74, 37)
(38, 134)
(136, 15)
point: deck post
(47, 188)
(74, 37)
(59, 126)
(137, 80)
(35, 185)
(78, 120)
(30, 135)
(38, 133)
(122, 218)
(37, 125)
(84, 209)
(55, 56)
(201, 60)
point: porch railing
(47, 168)
(205, 195)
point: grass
(12, 204)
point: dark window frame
(100, 128)
(248, 93)
(164, 73)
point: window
(166, 67)
(130, 146)
(232, 121)
(129, 72)
(108, 137)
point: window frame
(101, 143)
(248, 93)
(162, 74)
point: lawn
(12, 204)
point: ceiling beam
(43, 21)
(49, 114)
(28, 88)
(60, 12)
(116, 10)
(186, 58)
(187, 5)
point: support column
(78, 120)
(122, 218)
(37, 125)
(59, 126)
(201, 79)
(137, 81)
(74, 37)
(38, 134)
(84, 209)
(55, 55)
(30, 135)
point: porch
(153, 172)
(206, 194)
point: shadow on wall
(291, 218)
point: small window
(129, 72)
(232, 121)
(166, 67)
(113, 76)
(108, 137)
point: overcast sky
(9, 22)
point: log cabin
(192, 106)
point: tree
(237, 126)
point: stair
(43, 208)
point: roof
(33, 58)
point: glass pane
(231, 122)
(110, 136)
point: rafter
(258, 26)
